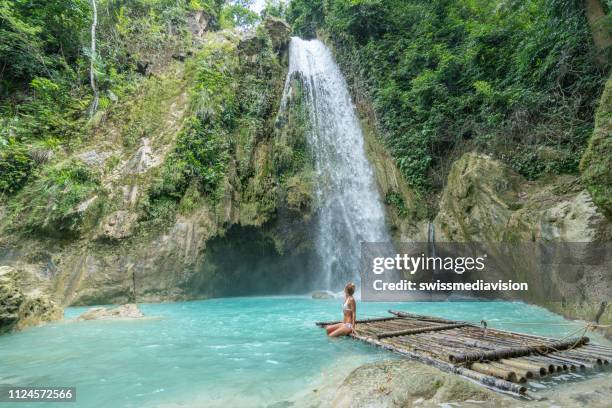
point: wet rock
(38, 309)
(10, 298)
(128, 311)
(322, 295)
(403, 383)
(19, 310)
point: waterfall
(350, 208)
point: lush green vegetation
(59, 201)
(45, 56)
(45, 96)
(596, 163)
(202, 149)
(517, 79)
(232, 105)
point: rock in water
(403, 383)
(322, 294)
(36, 310)
(19, 310)
(10, 298)
(128, 311)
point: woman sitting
(349, 310)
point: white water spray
(351, 211)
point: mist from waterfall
(350, 208)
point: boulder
(404, 383)
(322, 294)
(36, 310)
(19, 310)
(486, 201)
(11, 298)
(127, 311)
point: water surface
(220, 352)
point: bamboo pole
(572, 365)
(584, 357)
(596, 352)
(419, 330)
(597, 347)
(494, 371)
(525, 365)
(421, 317)
(553, 366)
(604, 359)
(520, 372)
(515, 351)
(486, 380)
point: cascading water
(350, 207)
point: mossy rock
(17, 310)
(596, 163)
(11, 298)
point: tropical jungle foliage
(515, 78)
(46, 95)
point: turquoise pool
(260, 351)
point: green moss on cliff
(516, 80)
(63, 200)
(596, 164)
(293, 158)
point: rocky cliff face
(131, 242)
(133, 237)
(18, 309)
(485, 201)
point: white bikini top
(346, 307)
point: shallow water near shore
(259, 351)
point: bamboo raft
(500, 360)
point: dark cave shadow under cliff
(246, 261)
